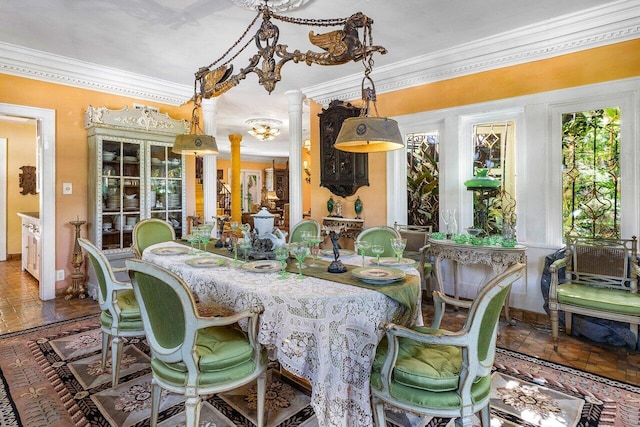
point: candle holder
(77, 288)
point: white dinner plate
(329, 252)
(262, 266)
(170, 250)
(206, 262)
(378, 275)
(393, 262)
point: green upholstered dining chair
(193, 355)
(295, 235)
(381, 235)
(436, 372)
(120, 311)
(417, 249)
(149, 232)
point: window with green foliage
(591, 173)
(422, 179)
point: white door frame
(3, 199)
(47, 184)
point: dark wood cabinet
(281, 186)
(341, 173)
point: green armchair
(149, 232)
(436, 372)
(193, 355)
(305, 225)
(381, 235)
(120, 311)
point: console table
(351, 227)
(496, 257)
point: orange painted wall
(71, 146)
(607, 63)
(21, 151)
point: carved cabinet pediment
(341, 172)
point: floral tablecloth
(320, 330)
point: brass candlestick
(77, 287)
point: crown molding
(34, 64)
(611, 23)
(608, 24)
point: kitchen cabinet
(133, 175)
(31, 243)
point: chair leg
(553, 313)
(156, 392)
(634, 331)
(568, 318)
(485, 416)
(192, 410)
(106, 338)
(116, 357)
(262, 381)
(379, 418)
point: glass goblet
(398, 246)
(192, 239)
(361, 248)
(300, 251)
(377, 250)
(282, 253)
(314, 248)
(245, 244)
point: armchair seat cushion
(599, 298)
(225, 355)
(130, 318)
(434, 368)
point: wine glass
(300, 251)
(282, 253)
(192, 239)
(235, 225)
(361, 248)
(245, 244)
(205, 237)
(398, 245)
(314, 248)
(377, 250)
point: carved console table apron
(496, 257)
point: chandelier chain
(236, 44)
(330, 22)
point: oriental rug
(51, 376)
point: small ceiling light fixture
(307, 145)
(366, 134)
(264, 129)
(192, 142)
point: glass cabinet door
(121, 182)
(166, 194)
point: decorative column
(77, 288)
(295, 98)
(210, 164)
(236, 201)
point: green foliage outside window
(591, 173)
(423, 180)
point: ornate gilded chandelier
(339, 47)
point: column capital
(235, 138)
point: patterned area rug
(51, 376)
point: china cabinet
(133, 175)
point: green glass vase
(330, 205)
(357, 206)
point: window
(494, 210)
(591, 173)
(422, 178)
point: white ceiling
(156, 46)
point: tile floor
(20, 308)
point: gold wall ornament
(339, 47)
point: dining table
(323, 327)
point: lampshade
(369, 135)
(272, 196)
(195, 144)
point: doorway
(46, 182)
